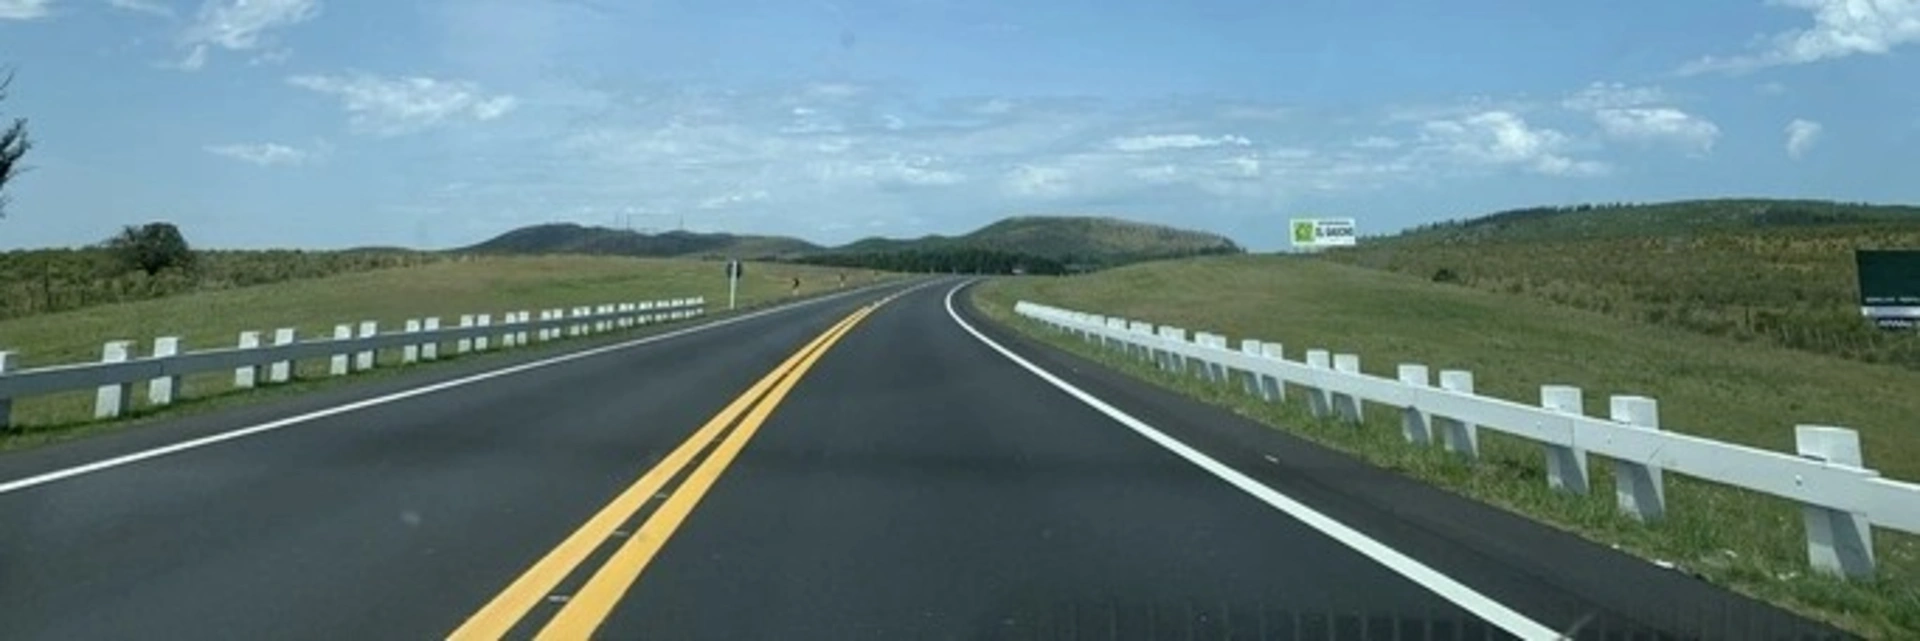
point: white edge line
(1440, 584)
(136, 457)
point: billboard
(1889, 286)
(1323, 232)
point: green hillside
(1097, 241)
(569, 238)
(1080, 242)
(1767, 271)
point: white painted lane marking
(1440, 584)
(135, 457)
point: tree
(151, 248)
(13, 145)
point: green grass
(483, 285)
(1714, 387)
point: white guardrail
(1841, 500)
(349, 351)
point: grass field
(314, 306)
(1717, 387)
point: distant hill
(1656, 220)
(568, 238)
(1082, 242)
(1094, 240)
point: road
(885, 464)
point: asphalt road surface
(885, 464)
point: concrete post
(364, 360)
(6, 404)
(480, 342)
(464, 344)
(1638, 487)
(1413, 422)
(338, 366)
(430, 350)
(281, 371)
(1839, 543)
(1347, 406)
(1566, 464)
(111, 400)
(1271, 387)
(1318, 404)
(1461, 437)
(160, 391)
(410, 353)
(247, 376)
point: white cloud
(1659, 125)
(24, 9)
(1614, 95)
(149, 7)
(1376, 142)
(240, 25)
(1502, 138)
(263, 154)
(391, 106)
(1840, 28)
(1159, 142)
(1640, 115)
(1802, 135)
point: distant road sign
(1889, 286)
(1323, 232)
(736, 269)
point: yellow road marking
(494, 620)
(590, 606)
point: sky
(440, 123)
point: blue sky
(335, 123)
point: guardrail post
(574, 328)
(110, 400)
(1566, 464)
(1217, 366)
(545, 334)
(1317, 402)
(480, 342)
(646, 312)
(1346, 406)
(244, 376)
(281, 371)
(1271, 387)
(465, 343)
(1250, 382)
(1839, 543)
(430, 350)
(1461, 437)
(604, 324)
(1181, 364)
(1413, 422)
(520, 337)
(365, 359)
(338, 366)
(160, 390)
(626, 316)
(1141, 336)
(410, 353)
(1638, 487)
(6, 403)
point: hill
(1070, 241)
(569, 238)
(1771, 271)
(1623, 220)
(1094, 241)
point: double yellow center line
(587, 608)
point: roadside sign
(1323, 232)
(1889, 286)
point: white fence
(1841, 500)
(348, 351)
